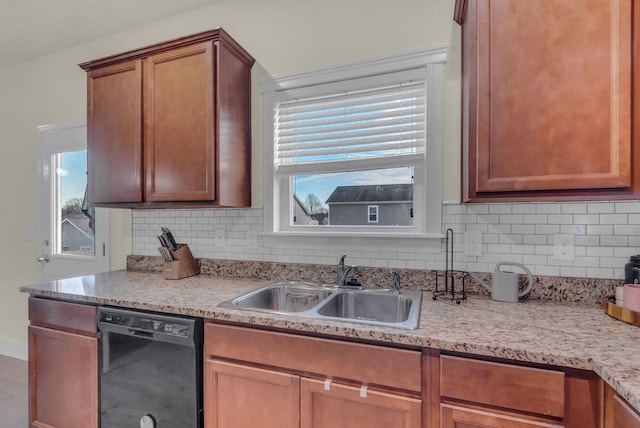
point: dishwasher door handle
(145, 334)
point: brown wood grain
(376, 365)
(506, 386)
(179, 124)
(63, 315)
(343, 405)
(242, 396)
(114, 133)
(461, 417)
(63, 379)
(191, 96)
(547, 99)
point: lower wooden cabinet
(472, 392)
(618, 413)
(263, 379)
(63, 366)
(238, 396)
(336, 405)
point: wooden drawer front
(455, 416)
(72, 316)
(502, 385)
(396, 368)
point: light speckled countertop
(565, 334)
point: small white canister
(620, 295)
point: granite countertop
(563, 334)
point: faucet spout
(340, 268)
(343, 278)
(396, 280)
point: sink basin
(383, 307)
(288, 297)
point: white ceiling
(30, 28)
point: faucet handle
(396, 279)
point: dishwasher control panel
(146, 322)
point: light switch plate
(473, 244)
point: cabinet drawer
(378, 365)
(71, 316)
(518, 388)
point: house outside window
(370, 125)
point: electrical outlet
(473, 244)
(219, 238)
(563, 246)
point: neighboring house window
(370, 131)
(373, 213)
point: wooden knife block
(183, 264)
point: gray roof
(372, 193)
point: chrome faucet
(343, 271)
(396, 279)
(340, 268)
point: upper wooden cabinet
(547, 99)
(170, 124)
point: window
(354, 137)
(71, 239)
(373, 213)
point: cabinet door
(624, 415)
(179, 124)
(547, 96)
(237, 396)
(114, 133)
(347, 406)
(63, 379)
(460, 417)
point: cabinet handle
(363, 390)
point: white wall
(283, 35)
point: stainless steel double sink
(374, 306)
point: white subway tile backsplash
(627, 207)
(523, 209)
(615, 241)
(548, 208)
(511, 219)
(573, 208)
(535, 219)
(534, 239)
(573, 271)
(606, 234)
(601, 207)
(547, 229)
(614, 219)
(560, 219)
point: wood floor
(13, 393)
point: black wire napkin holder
(450, 291)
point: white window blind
(353, 129)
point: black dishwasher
(150, 370)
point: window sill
(354, 240)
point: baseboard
(14, 350)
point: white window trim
(432, 60)
(369, 214)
